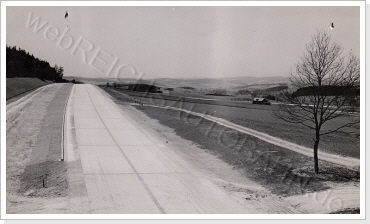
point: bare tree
(325, 86)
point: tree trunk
(316, 158)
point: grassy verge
(282, 171)
(17, 86)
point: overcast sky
(178, 42)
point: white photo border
(5, 216)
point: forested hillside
(20, 63)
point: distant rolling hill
(233, 83)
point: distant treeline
(136, 87)
(276, 88)
(187, 87)
(328, 90)
(20, 63)
(268, 93)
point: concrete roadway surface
(119, 168)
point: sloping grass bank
(17, 86)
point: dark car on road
(261, 101)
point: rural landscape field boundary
(350, 163)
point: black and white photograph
(183, 110)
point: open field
(189, 97)
(259, 117)
(17, 86)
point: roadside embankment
(18, 86)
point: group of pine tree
(20, 63)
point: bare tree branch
(325, 86)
